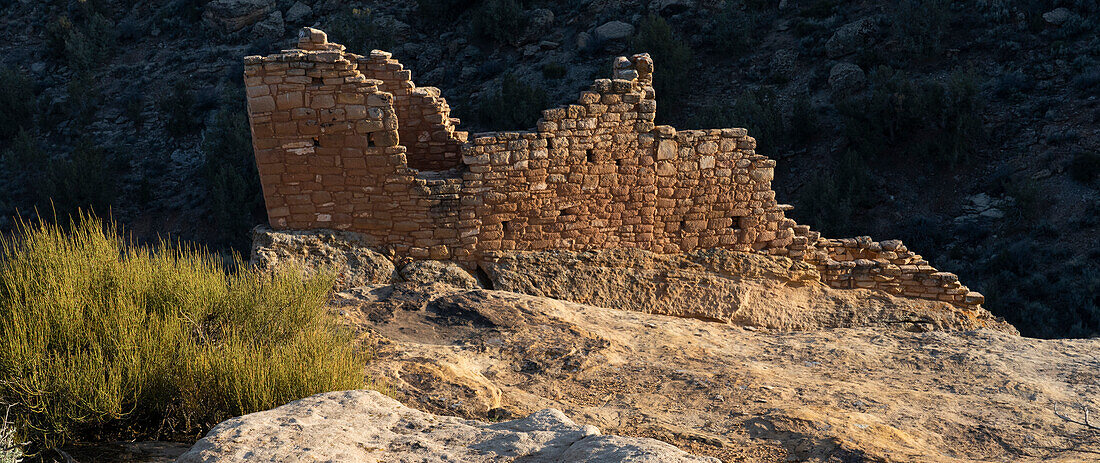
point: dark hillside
(971, 130)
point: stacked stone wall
(348, 142)
(427, 128)
(326, 140)
(891, 267)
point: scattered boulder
(783, 62)
(846, 78)
(368, 426)
(271, 28)
(982, 207)
(584, 40)
(614, 30)
(851, 37)
(434, 271)
(298, 12)
(1057, 16)
(234, 15)
(348, 254)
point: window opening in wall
(683, 224)
(316, 141)
(504, 225)
(619, 162)
(588, 156)
(370, 140)
(736, 225)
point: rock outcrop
(365, 426)
(721, 285)
(717, 285)
(434, 271)
(829, 395)
(347, 254)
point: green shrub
(134, 109)
(17, 105)
(732, 30)
(516, 106)
(179, 110)
(83, 98)
(83, 41)
(672, 58)
(24, 165)
(439, 11)
(919, 118)
(802, 123)
(1059, 301)
(760, 112)
(1085, 167)
(498, 20)
(233, 193)
(919, 27)
(83, 180)
(553, 70)
(1031, 201)
(820, 9)
(360, 31)
(103, 339)
(829, 200)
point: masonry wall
(426, 128)
(891, 267)
(326, 140)
(348, 142)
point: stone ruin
(349, 142)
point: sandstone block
(264, 104)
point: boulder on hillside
(846, 78)
(271, 28)
(1058, 16)
(851, 37)
(298, 12)
(234, 15)
(355, 262)
(365, 426)
(614, 30)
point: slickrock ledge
(366, 426)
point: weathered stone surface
(738, 393)
(851, 37)
(1058, 16)
(348, 254)
(613, 30)
(846, 77)
(234, 15)
(721, 285)
(366, 426)
(434, 271)
(298, 12)
(271, 28)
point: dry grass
(100, 338)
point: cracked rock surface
(366, 426)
